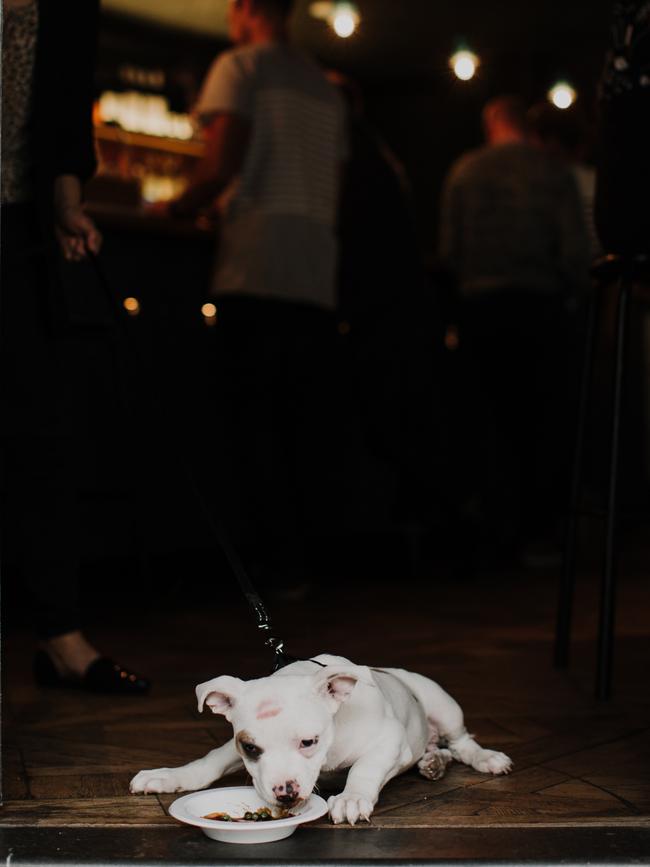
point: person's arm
(224, 110)
(226, 140)
(75, 231)
(70, 35)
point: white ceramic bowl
(237, 800)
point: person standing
(514, 238)
(48, 51)
(564, 133)
(275, 141)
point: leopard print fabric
(18, 52)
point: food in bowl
(264, 814)
(236, 802)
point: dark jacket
(62, 130)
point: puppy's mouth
(277, 804)
(291, 806)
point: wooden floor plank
(579, 790)
(15, 782)
(84, 813)
(524, 781)
(80, 786)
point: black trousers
(274, 374)
(518, 418)
(39, 510)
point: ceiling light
(562, 95)
(343, 18)
(464, 63)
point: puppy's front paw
(349, 807)
(492, 762)
(157, 780)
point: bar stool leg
(568, 577)
(608, 587)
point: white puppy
(309, 718)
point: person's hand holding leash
(75, 231)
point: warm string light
(343, 18)
(131, 305)
(209, 312)
(562, 95)
(464, 64)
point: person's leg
(38, 468)
(531, 337)
(266, 354)
(39, 503)
(491, 344)
(551, 422)
(251, 373)
(303, 409)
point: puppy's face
(283, 727)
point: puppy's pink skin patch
(268, 709)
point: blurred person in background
(390, 309)
(565, 135)
(514, 238)
(275, 142)
(48, 52)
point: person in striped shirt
(275, 138)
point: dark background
(400, 57)
(144, 394)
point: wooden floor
(581, 782)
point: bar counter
(141, 221)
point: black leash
(263, 621)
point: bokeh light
(464, 63)
(131, 305)
(209, 312)
(345, 20)
(562, 95)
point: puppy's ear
(220, 694)
(335, 685)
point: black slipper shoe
(103, 675)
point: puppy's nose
(288, 793)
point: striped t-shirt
(278, 216)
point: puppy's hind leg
(445, 715)
(433, 763)
(465, 749)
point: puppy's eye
(251, 750)
(308, 742)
